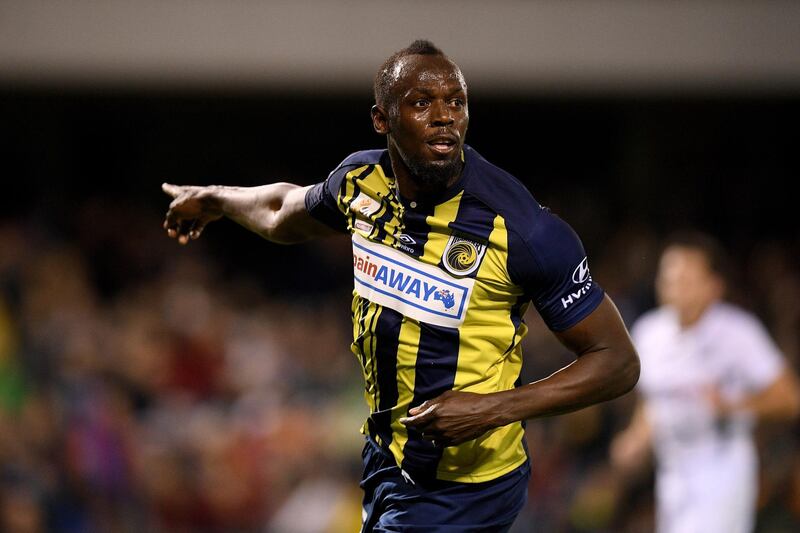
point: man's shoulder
(734, 320)
(348, 170)
(362, 158)
(500, 190)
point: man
(448, 251)
(709, 371)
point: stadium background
(145, 386)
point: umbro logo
(408, 239)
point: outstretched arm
(277, 211)
(607, 366)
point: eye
(457, 102)
(421, 103)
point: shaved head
(395, 67)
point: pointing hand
(191, 209)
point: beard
(433, 176)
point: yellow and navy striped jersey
(440, 291)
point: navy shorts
(395, 503)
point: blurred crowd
(149, 387)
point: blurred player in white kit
(710, 371)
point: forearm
(275, 211)
(593, 378)
(455, 417)
(607, 366)
(631, 447)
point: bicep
(294, 222)
(753, 354)
(602, 329)
(604, 349)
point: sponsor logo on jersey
(365, 205)
(581, 272)
(363, 226)
(580, 275)
(573, 297)
(409, 286)
(462, 256)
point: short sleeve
(321, 200)
(758, 360)
(639, 330)
(550, 263)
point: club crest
(462, 256)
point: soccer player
(448, 252)
(709, 372)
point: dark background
(721, 164)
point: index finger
(170, 189)
(420, 419)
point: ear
(380, 119)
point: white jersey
(707, 468)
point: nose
(440, 114)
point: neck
(690, 317)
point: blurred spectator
(709, 372)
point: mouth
(442, 144)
